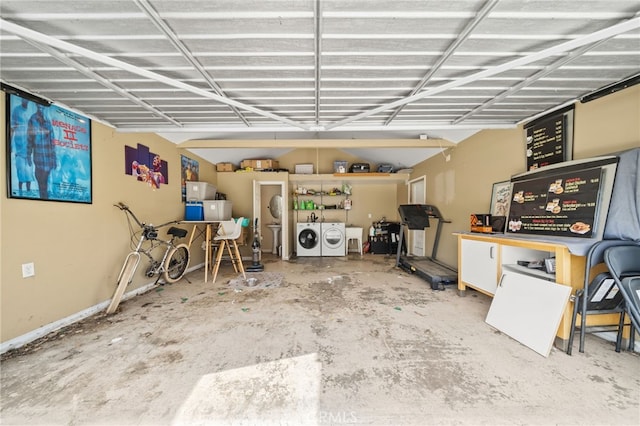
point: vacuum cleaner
(255, 266)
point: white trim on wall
(29, 337)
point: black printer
(359, 168)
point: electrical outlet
(28, 270)
(447, 158)
(369, 215)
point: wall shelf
(321, 194)
(529, 271)
(351, 177)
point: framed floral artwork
(500, 198)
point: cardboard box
(304, 169)
(194, 211)
(481, 222)
(259, 164)
(217, 209)
(226, 167)
(199, 191)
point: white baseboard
(78, 316)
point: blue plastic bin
(194, 211)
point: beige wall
(322, 159)
(376, 199)
(78, 249)
(463, 185)
(608, 124)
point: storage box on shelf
(340, 166)
(261, 164)
(217, 210)
(199, 191)
(359, 168)
(226, 167)
(304, 169)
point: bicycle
(171, 266)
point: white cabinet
(483, 259)
(479, 265)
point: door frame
(412, 237)
(284, 220)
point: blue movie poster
(49, 152)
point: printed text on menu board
(546, 143)
(559, 205)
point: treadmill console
(416, 216)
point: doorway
(264, 210)
(417, 195)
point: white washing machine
(333, 238)
(308, 239)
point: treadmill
(438, 274)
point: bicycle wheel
(176, 263)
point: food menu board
(549, 140)
(563, 205)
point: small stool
(353, 234)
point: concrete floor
(340, 341)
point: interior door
(417, 195)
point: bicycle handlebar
(126, 209)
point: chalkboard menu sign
(559, 204)
(549, 139)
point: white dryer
(308, 239)
(333, 238)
